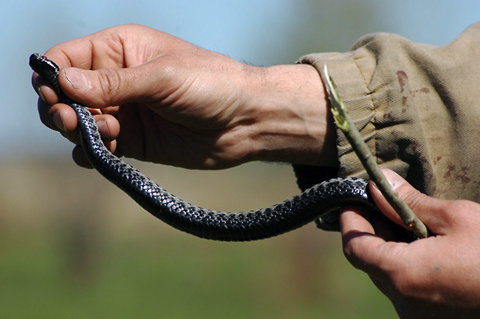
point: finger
(97, 50)
(59, 117)
(44, 91)
(361, 246)
(116, 47)
(80, 158)
(107, 87)
(432, 211)
(113, 49)
(62, 118)
(108, 126)
(64, 55)
(103, 50)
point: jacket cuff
(346, 71)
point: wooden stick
(344, 122)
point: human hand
(435, 277)
(158, 98)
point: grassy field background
(74, 246)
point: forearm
(292, 122)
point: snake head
(46, 68)
(41, 64)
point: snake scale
(290, 214)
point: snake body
(243, 226)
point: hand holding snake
(181, 105)
(160, 99)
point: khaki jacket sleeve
(417, 107)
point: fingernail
(393, 178)
(57, 119)
(77, 78)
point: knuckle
(110, 84)
(348, 251)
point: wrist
(292, 120)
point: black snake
(297, 211)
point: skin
(435, 277)
(160, 99)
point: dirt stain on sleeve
(402, 78)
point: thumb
(105, 87)
(432, 211)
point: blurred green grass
(73, 246)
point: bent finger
(108, 126)
(59, 117)
(361, 246)
(81, 159)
